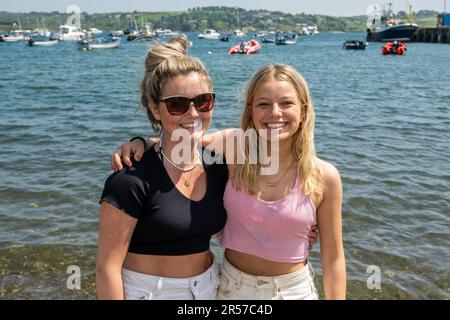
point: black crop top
(168, 222)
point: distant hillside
(198, 19)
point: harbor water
(383, 121)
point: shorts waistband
(148, 279)
(279, 281)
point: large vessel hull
(400, 33)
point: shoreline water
(383, 121)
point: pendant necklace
(275, 184)
(183, 170)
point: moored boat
(354, 45)
(247, 47)
(12, 37)
(285, 39)
(210, 34)
(395, 48)
(268, 40)
(41, 43)
(100, 44)
(381, 25)
(70, 33)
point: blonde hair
(165, 61)
(303, 140)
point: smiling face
(193, 122)
(277, 108)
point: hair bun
(175, 47)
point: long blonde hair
(165, 61)
(303, 149)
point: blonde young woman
(270, 216)
(157, 217)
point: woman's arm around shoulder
(329, 217)
(217, 141)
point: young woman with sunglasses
(157, 217)
(269, 216)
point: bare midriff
(257, 266)
(169, 266)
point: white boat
(70, 33)
(313, 30)
(145, 34)
(165, 32)
(238, 33)
(12, 37)
(117, 33)
(85, 45)
(95, 31)
(209, 34)
(306, 30)
(42, 43)
(43, 32)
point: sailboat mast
(239, 20)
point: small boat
(70, 33)
(145, 34)
(285, 40)
(397, 48)
(41, 43)
(268, 40)
(54, 36)
(238, 33)
(85, 45)
(117, 33)
(95, 31)
(247, 47)
(165, 32)
(12, 37)
(354, 45)
(210, 34)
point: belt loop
(276, 288)
(159, 284)
(238, 282)
(311, 269)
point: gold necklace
(191, 170)
(197, 160)
(186, 181)
(275, 184)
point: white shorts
(140, 286)
(237, 285)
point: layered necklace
(183, 170)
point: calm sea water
(383, 121)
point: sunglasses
(178, 105)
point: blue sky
(335, 8)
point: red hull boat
(247, 47)
(398, 48)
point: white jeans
(140, 286)
(237, 285)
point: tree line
(196, 19)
